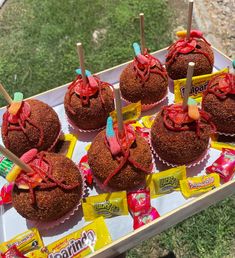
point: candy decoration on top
(191, 47)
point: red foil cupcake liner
(75, 127)
(199, 160)
(64, 218)
(146, 107)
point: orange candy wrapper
(82, 242)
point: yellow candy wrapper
(66, 145)
(131, 112)
(82, 242)
(199, 84)
(148, 121)
(166, 181)
(26, 242)
(37, 254)
(220, 142)
(197, 185)
(107, 205)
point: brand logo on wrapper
(106, 208)
(168, 183)
(76, 246)
(205, 183)
(195, 89)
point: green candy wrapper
(5, 165)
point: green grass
(37, 52)
(37, 40)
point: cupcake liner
(75, 127)
(146, 107)
(64, 218)
(226, 134)
(196, 162)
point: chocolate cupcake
(183, 51)
(36, 125)
(52, 190)
(88, 106)
(219, 101)
(144, 79)
(122, 164)
(178, 139)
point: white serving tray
(172, 207)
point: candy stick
(81, 59)
(190, 14)
(5, 94)
(118, 106)
(142, 33)
(188, 83)
(15, 159)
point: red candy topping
(41, 177)
(153, 66)
(123, 157)
(13, 252)
(184, 46)
(84, 90)
(222, 85)
(177, 119)
(18, 122)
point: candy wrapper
(82, 242)
(5, 165)
(193, 186)
(85, 169)
(199, 84)
(148, 121)
(140, 208)
(66, 144)
(12, 252)
(224, 165)
(166, 181)
(5, 194)
(26, 242)
(131, 112)
(107, 205)
(220, 142)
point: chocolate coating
(102, 163)
(222, 112)
(179, 148)
(132, 89)
(91, 116)
(178, 68)
(53, 203)
(44, 117)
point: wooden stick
(190, 14)
(5, 94)
(15, 159)
(142, 41)
(118, 106)
(188, 83)
(81, 59)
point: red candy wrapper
(140, 207)
(13, 252)
(85, 169)
(224, 165)
(139, 202)
(5, 194)
(143, 219)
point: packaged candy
(12, 252)
(28, 241)
(85, 169)
(82, 242)
(107, 205)
(224, 165)
(37, 254)
(5, 165)
(196, 185)
(148, 121)
(166, 181)
(199, 84)
(139, 202)
(145, 218)
(66, 145)
(5, 194)
(130, 113)
(220, 142)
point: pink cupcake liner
(75, 127)
(203, 156)
(64, 218)
(146, 107)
